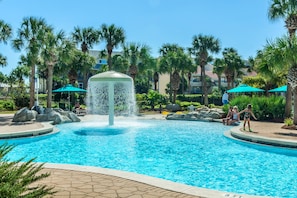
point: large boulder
(173, 107)
(24, 115)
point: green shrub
(22, 101)
(7, 105)
(289, 121)
(18, 179)
(264, 107)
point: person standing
(247, 116)
(225, 98)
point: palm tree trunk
(288, 106)
(219, 83)
(32, 86)
(174, 97)
(204, 85)
(49, 86)
(295, 106)
(170, 87)
(85, 80)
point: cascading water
(111, 93)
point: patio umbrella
(279, 89)
(67, 89)
(243, 88)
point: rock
(214, 115)
(73, 117)
(24, 115)
(202, 114)
(173, 107)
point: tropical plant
(202, 46)
(135, 52)
(113, 36)
(19, 179)
(86, 37)
(285, 9)
(233, 65)
(219, 67)
(18, 74)
(50, 54)
(31, 37)
(172, 61)
(5, 35)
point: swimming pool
(193, 153)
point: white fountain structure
(111, 93)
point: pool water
(193, 153)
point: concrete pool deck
(83, 181)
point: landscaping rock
(24, 115)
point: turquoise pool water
(193, 153)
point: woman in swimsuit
(247, 116)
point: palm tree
(286, 9)
(30, 37)
(173, 60)
(86, 37)
(219, 68)
(166, 65)
(113, 36)
(50, 53)
(202, 46)
(78, 61)
(281, 55)
(120, 63)
(19, 74)
(233, 65)
(5, 35)
(135, 53)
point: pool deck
(82, 181)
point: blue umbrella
(67, 89)
(243, 88)
(279, 89)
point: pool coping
(153, 181)
(236, 133)
(47, 128)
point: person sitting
(229, 115)
(235, 117)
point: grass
(8, 112)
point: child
(229, 115)
(247, 116)
(235, 117)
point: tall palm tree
(30, 37)
(286, 9)
(166, 63)
(173, 60)
(5, 35)
(113, 36)
(282, 55)
(86, 37)
(219, 68)
(233, 65)
(49, 53)
(202, 46)
(135, 53)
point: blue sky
(241, 24)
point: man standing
(225, 98)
